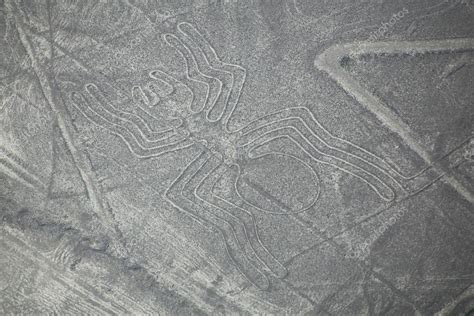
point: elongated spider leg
(137, 144)
(212, 85)
(241, 218)
(317, 155)
(224, 78)
(336, 146)
(238, 74)
(239, 231)
(179, 195)
(304, 120)
(352, 150)
(285, 123)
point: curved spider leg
(345, 149)
(318, 155)
(133, 140)
(237, 227)
(132, 121)
(177, 86)
(224, 78)
(177, 196)
(193, 71)
(242, 218)
(237, 72)
(303, 119)
(352, 149)
(308, 137)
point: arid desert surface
(237, 157)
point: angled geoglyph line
(111, 305)
(59, 112)
(330, 61)
(15, 167)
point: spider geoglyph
(199, 106)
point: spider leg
(237, 73)
(130, 133)
(194, 74)
(303, 119)
(298, 125)
(224, 78)
(181, 194)
(240, 218)
(316, 155)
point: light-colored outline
(194, 44)
(115, 303)
(181, 197)
(18, 169)
(330, 60)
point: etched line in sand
(64, 124)
(329, 61)
(18, 169)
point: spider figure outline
(212, 90)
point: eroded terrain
(221, 157)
